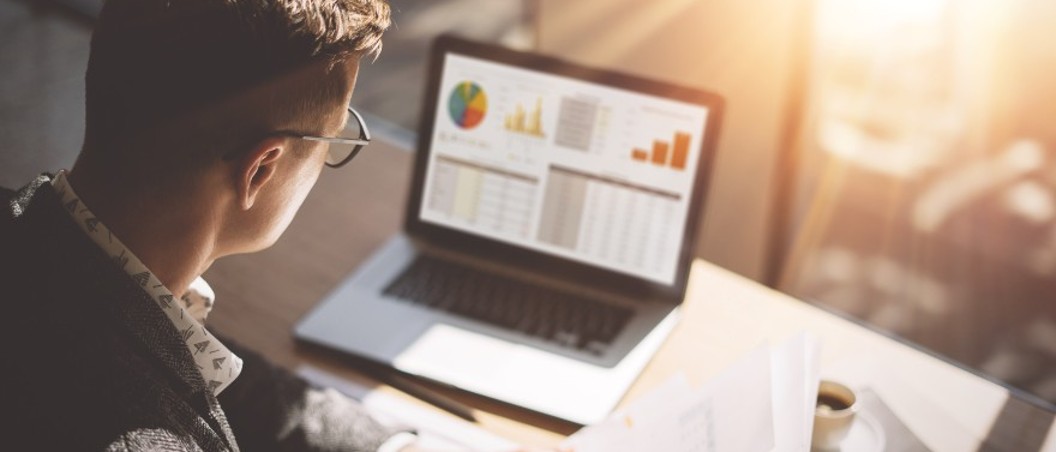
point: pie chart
(467, 105)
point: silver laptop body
(549, 232)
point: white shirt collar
(218, 365)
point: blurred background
(893, 161)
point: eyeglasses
(341, 149)
(344, 148)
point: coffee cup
(833, 415)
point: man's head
(184, 99)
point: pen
(429, 396)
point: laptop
(549, 232)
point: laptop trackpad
(442, 346)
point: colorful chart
(527, 123)
(659, 156)
(467, 105)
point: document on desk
(796, 368)
(436, 431)
(765, 402)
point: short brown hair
(155, 60)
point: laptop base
(505, 365)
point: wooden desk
(355, 209)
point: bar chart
(664, 154)
(526, 123)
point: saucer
(866, 435)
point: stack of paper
(765, 402)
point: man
(208, 122)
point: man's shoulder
(152, 439)
(41, 248)
(90, 387)
(143, 415)
(79, 375)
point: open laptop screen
(578, 170)
(569, 168)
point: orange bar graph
(664, 154)
(681, 151)
(660, 152)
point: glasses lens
(339, 153)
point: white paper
(435, 431)
(764, 402)
(634, 427)
(730, 413)
(795, 368)
(742, 405)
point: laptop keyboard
(556, 316)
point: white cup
(833, 415)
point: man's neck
(175, 240)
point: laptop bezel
(564, 269)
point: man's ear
(257, 167)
